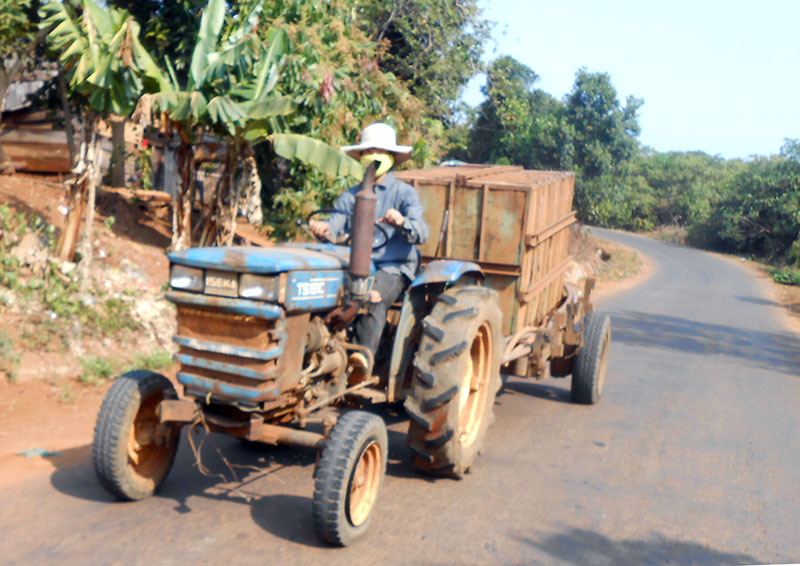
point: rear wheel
(456, 377)
(591, 362)
(349, 477)
(132, 452)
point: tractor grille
(229, 355)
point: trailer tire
(591, 362)
(131, 456)
(456, 378)
(349, 477)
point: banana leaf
(317, 154)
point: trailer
(515, 224)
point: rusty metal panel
(465, 218)
(434, 201)
(504, 231)
(506, 287)
(228, 328)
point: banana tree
(230, 93)
(108, 70)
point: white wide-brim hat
(379, 136)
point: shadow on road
(758, 301)
(533, 389)
(777, 351)
(581, 547)
(234, 471)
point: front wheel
(456, 377)
(349, 477)
(591, 362)
(132, 452)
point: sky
(719, 77)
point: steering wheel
(379, 225)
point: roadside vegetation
(342, 64)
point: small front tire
(132, 452)
(349, 477)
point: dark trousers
(368, 327)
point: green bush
(786, 276)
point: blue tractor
(264, 347)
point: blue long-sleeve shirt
(399, 255)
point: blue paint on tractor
(229, 350)
(264, 260)
(204, 386)
(445, 271)
(313, 290)
(241, 306)
(224, 367)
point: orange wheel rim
(145, 456)
(364, 484)
(475, 386)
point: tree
(107, 69)
(230, 91)
(332, 71)
(434, 46)
(605, 131)
(604, 140)
(519, 124)
(755, 210)
(169, 28)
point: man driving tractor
(399, 207)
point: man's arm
(413, 226)
(338, 222)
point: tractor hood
(278, 259)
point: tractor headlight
(187, 278)
(258, 287)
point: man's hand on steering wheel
(320, 229)
(393, 218)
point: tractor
(264, 344)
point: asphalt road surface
(692, 457)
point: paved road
(693, 456)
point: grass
(96, 370)
(622, 264)
(8, 358)
(785, 275)
(65, 393)
(154, 361)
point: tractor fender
(446, 271)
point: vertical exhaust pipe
(363, 232)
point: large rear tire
(591, 362)
(132, 454)
(349, 477)
(456, 378)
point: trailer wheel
(591, 362)
(349, 477)
(456, 377)
(131, 453)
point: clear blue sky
(719, 77)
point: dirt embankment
(61, 339)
